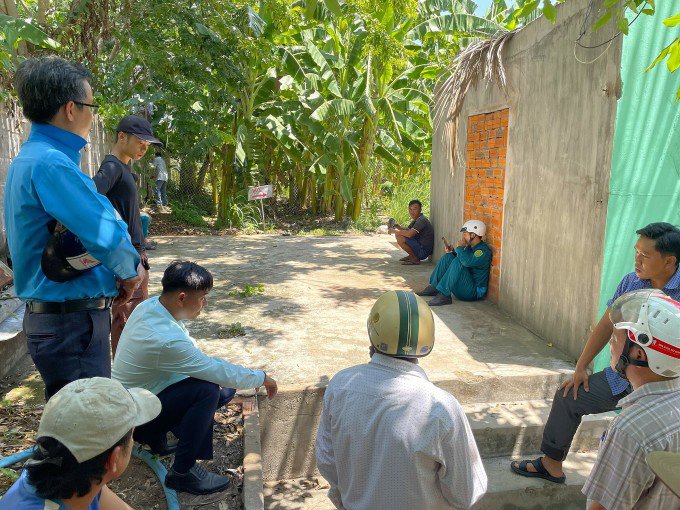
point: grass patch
(248, 291)
(231, 330)
(188, 214)
(321, 231)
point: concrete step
(509, 491)
(516, 428)
(506, 490)
(505, 385)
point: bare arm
(595, 343)
(403, 232)
(595, 505)
(108, 500)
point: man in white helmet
(657, 254)
(645, 349)
(388, 438)
(464, 270)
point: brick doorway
(487, 142)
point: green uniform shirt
(478, 260)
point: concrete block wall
(562, 110)
(487, 142)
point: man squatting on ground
(645, 350)
(657, 253)
(417, 240)
(462, 271)
(67, 323)
(84, 441)
(388, 438)
(156, 353)
(118, 182)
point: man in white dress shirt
(389, 439)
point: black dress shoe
(197, 481)
(428, 291)
(163, 449)
(440, 300)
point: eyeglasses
(95, 107)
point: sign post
(260, 193)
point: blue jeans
(418, 249)
(146, 221)
(69, 346)
(188, 412)
(161, 193)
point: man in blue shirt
(67, 324)
(657, 255)
(84, 441)
(156, 353)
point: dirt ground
(21, 405)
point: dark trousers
(566, 413)
(188, 411)
(69, 346)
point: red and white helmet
(474, 227)
(653, 323)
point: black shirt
(425, 235)
(115, 180)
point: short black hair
(67, 478)
(45, 84)
(186, 276)
(667, 238)
(418, 202)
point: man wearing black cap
(116, 180)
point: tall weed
(414, 187)
(188, 214)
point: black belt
(77, 305)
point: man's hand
(270, 386)
(449, 249)
(462, 243)
(579, 378)
(129, 286)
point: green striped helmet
(401, 325)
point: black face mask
(625, 361)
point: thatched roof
(481, 60)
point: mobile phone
(446, 243)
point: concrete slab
(509, 491)
(12, 339)
(506, 490)
(252, 457)
(310, 322)
(516, 428)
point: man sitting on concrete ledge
(156, 352)
(84, 441)
(417, 240)
(388, 438)
(463, 271)
(657, 253)
(645, 350)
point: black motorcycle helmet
(65, 258)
